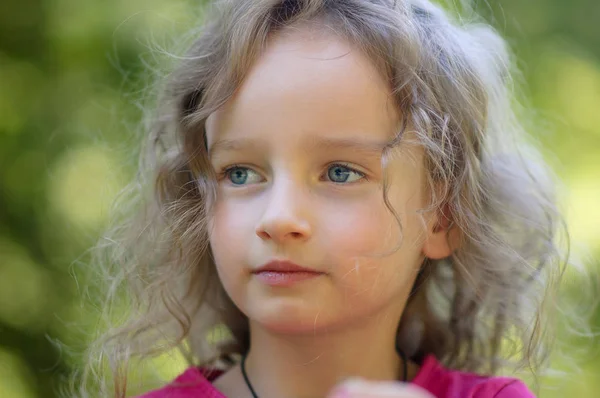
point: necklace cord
(246, 379)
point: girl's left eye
(340, 174)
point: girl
(342, 191)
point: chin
(285, 316)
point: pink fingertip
(340, 392)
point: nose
(284, 218)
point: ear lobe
(442, 236)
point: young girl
(342, 192)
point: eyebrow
(315, 143)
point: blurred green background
(72, 84)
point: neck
(280, 365)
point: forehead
(308, 83)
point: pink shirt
(440, 382)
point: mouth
(285, 273)
(284, 266)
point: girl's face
(298, 154)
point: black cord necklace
(255, 395)
(246, 379)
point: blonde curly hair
(477, 310)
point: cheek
(361, 228)
(233, 219)
(228, 237)
(363, 241)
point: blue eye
(239, 175)
(340, 173)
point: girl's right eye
(239, 175)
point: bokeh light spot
(24, 295)
(15, 378)
(83, 184)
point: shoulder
(445, 383)
(194, 382)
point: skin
(298, 192)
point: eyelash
(225, 172)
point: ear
(442, 235)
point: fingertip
(345, 389)
(363, 388)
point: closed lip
(284, 266)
